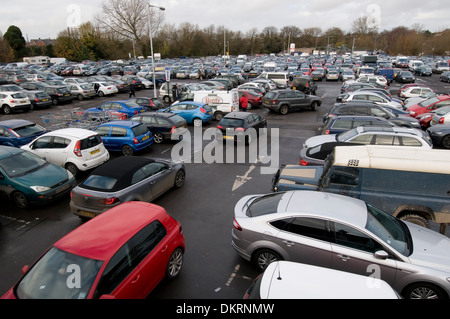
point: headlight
(39, 189)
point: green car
(28, 179)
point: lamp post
(151, 45)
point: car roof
(94, 239)
(13, 123)
(124, 123)
(237, 115)
(72, 132)
(291, 280)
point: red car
(123, 253)
(254, 99)
(429, 105)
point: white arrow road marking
(241, 180)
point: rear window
(100, 182)
(29, 130)
(139, 130)
(229, 122)
(270, 95)
(90, 142)
(18, 95)
(267, 204)
(177, 119)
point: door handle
(135, 280)
(164, 248)
(288, 243)
(343, 257)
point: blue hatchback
(195, 113)
(125, 136)
(17, 132)
(128, 108)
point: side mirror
(381, 254)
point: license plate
(67, 94)
(23, 101)
(95, 152)
(44, 100)
(87, 214)
(226, 137)
(145, 138)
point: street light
(151, 45)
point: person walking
(243, 101)
(132, 90)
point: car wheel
(249, 106)
(446, 141)
(55, 102)
(218, 116)
(127, 150)
(101, 93)
(175, 263)
(6, 109)
(180, 178)
(416, 219)
(80, 97)
(284, 109)
(72, 168)
(197, 122)
(423, 290)
(20, 199)
(167, 99)
(158, 137)
(314, 106)
(262, 258)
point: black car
(131, 79)
(423, 70)
(405, 77)
(445, 77)
(151, 104)
(352, 86)
(338, 124)
(316, 156)
(59, 94)
(11, 88)
(440, 135)
(304, 84)
(372, 109)
(238, 126)
(164, 126)
(39, 99)
(33, 86)
(284, 101)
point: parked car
(367, 96)
(343, 123)
(125, 179)
(39, 99)
(332, 75)
(405, 77)
(347, 75)
(70, 81)
(441, 116)
(285, 101)
(316, 156)
(352, 86)
(33, 86)
(163, 125)
(82, 91)
(241, 126)
(11, 102)
(429, 105)
(440, 135)
(11, 88)
(28, 180)
(423, 70)
(342, 233)
(291, 280)
(101, 250)
(104, 88)
(151, 104)
(445, 77)
(125, 136)
(59, 94)
(75, 149)
(126, 107)
(195, 113)
(18, 132)
(254, 99)
(415, 91)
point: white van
(414, 64)
(280, 78)
(222, 102)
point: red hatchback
(429, 105)
(123, 253)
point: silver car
(124, 179)
(342, 233)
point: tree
(6, 53)
(16, 41)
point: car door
(104, 132)
(292, 100)
(354, 251)
(58, 151)
(304, 239)
(41, 146)
(160, 178)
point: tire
(218, 116)
(416, 219)
(20, 199)
(263, 257)
(197, 122)
(127, 150)
(446, 142)
(180, 178)
(101, 94)
(314, 106)
(55, 102)
(249, 106)
(423, 290)
(158, 137)
(284, 109)
(72, 168)
(175, 264)
(80, 97)
(6, 109)
(167, 99)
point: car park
(102, 250)
(75, 149)
(125, 136)
(440, 135)
(17, 132)
(11, 102)
(195, 113)
(125, 179)
(285, 101)
(29, 180)
(341, 233)
(165, 126)
(291, 280)
(241, 126)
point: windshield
(52, 277)
(428, 102)
(389, 229)
(21, 164)
(267, 204)
(345, 136)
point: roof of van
(394, 158)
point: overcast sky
(46, 18)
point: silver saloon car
(342, 233)
(124, 179)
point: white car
(332, 76)
(378, 79)
(291, 280)
(75, 149)
(415, 91)
(367, 96)
(69, 81)
(441, 116)
(146, 82)
(347, 75)
(104, 88)
(11, 101)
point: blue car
(195, 113)
(28, 179)
(17, 133)
(125, 136)
(128, 108)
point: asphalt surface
(204, 205)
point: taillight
(14, 133)
(302, 162)
(36, 100)
(240, 129)
(441, 120)
(327, 132)
(77, 149)
(202, 110)
(220, 127)
(135, 140)
(109, 201)
(135, 112)
(236, 225)
(274, 102)
(173, 130)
